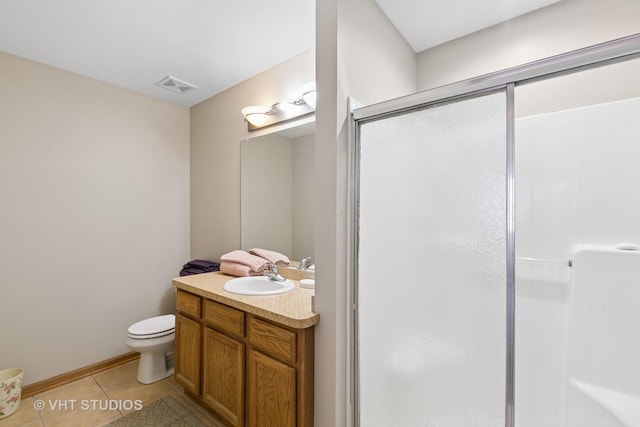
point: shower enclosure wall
(577, 263)
(496, 266)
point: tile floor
(98, 400)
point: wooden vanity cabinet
(253, 372)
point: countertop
(290, 309)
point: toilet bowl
(154, 339)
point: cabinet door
(271, 392)
(187, 353)
(223, 376)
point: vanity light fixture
(258, 116)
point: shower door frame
(619, 50)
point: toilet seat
(153, 327)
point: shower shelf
(541, 269)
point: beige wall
(375, 62)
(559, 28)
(217, 127)
(94, 221)
(360, 54)
(595, 86)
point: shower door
(430, 267)
(434, 262)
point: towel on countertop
(236, 269)
(255, 263)
(271, 256)
(198, 266)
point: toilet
(154, 339)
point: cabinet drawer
(273, 340)
(188, 304)
(224, 318)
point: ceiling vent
(175, 85)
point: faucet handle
(304, 263)
(271, 268)
(272, 272)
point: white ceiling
(212, 44)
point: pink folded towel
(271, 256)
(235, 269)
(255, 263)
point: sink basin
(257, 285)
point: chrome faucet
(305, 263)
(272, 273)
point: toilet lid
(153, 327)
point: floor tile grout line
(105, 392)
(172, 387)
(40, 418)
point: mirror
(277, 184)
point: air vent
(175, 85)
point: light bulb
(257, 115)
(309, 94)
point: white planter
(10, 389)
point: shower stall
(496, 249)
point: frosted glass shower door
(431, 266)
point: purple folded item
(199, 266)
(190, 271)
(202, 263)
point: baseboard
(67, 377)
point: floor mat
(164, 412)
